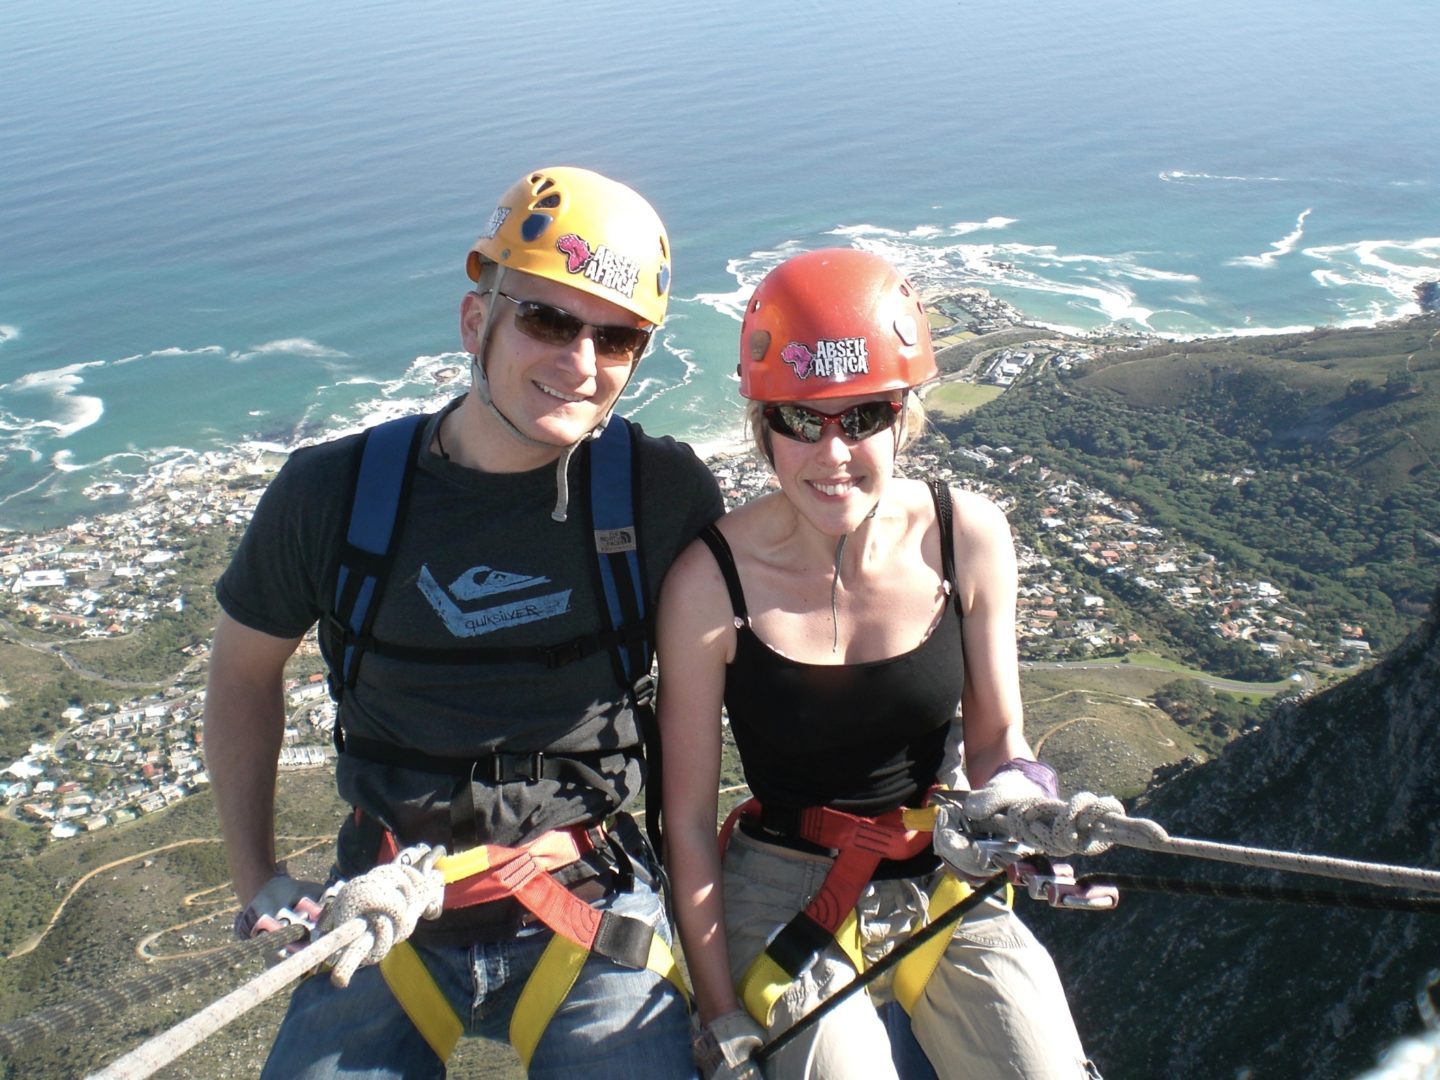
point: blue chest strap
(382, 486)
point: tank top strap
(726, 561)
(945, 518)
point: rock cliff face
(1187, 987)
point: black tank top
(864, 737)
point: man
(487, 693)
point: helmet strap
(480, 379)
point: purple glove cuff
(1037, 772)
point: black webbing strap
(795, 946)
(504, 767)
(624, 940)
(945, 518)
(551, 656)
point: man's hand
(724, 1046)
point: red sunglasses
(855, 423)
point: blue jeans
(616, 1024)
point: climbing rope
(368, 916)
(1089, 824)
(1219, 890)
(84, 1009)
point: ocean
(224, 225)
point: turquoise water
(222, 224)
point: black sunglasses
(555, 326)
(855, 423)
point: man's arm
(244, 726)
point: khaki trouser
(993, 1009)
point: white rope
(1088, 824)
(391, 898)
(368, 916)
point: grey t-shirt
(480, 562)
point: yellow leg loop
(553, 979)
(549, 985)
(761, 986)
(848, 938)
(913, 972)
(765, 981)
(424, 1003)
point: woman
(829, 620)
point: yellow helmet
(584, 230)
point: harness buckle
(643, 690)
(566, 653)
(514, 768)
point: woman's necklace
(835, 586)
(834, 590)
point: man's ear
(472, 321)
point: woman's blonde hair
(911, 424)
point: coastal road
(11, 634)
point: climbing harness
(938, 930)
(371, 916)
(493, 872)
(860, 844)
(480, 873)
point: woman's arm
(695, 641)
(987, 578)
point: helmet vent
(534, 226)
(550, 202)
(759, 345)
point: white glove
(723, 1047)
(1016, 784)
(967, 855)
(1008, 791)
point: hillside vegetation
(1311, 459)
(1192, 987)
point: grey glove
(283, 900)
(966, 854)
(1017, 783)
(723, 1048)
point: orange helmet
(584, 230)
(833, 323)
